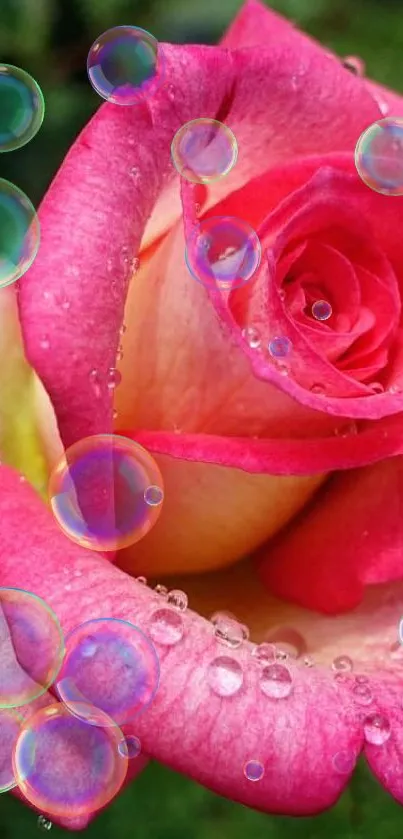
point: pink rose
(242, 440)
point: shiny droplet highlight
(31, 647)
(223, 252)
(166, 627)
(22, 107)
(204, 150)
(124, 65)
(112, 665)
(224, 676)
(276, 681)
(96, 492)
(379, 156)
(19, 233)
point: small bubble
(114, 378)
(228, 630)
(153, 495)
(276, 681)
(225, 676)
(166, 627)
(280, 346)
(342, 663)
(130, 746)
(321, 310)
(178, 599)
(309, 661)
(264, 653)
(252, 337)
(362, 694)
(44, 824)
(376, 729)
(253, 770)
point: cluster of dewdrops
(106, 492)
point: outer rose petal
(184, 728)
(351, 536)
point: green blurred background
(50, 39)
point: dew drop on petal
(225, 676)
(376, 729)
(252, 337)
(280, 346)
(354, 64)
(342, 663)
(362, 694)
(228, 630)
(160, 589)
(379, 156)
(319, 389)
(276, 681)
(264, 653)
(166, 627)
(253, 770)
(114, 378)
(178, 600)
(44, 824)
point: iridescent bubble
(379, 156)
(280, 346)
(10, 726)
(31, 647)
(124, 65)
(204, 150)
(19, 233)
(225, 675)
(153, 496)
(130, 746)
(22, 107)
(109, 665)
(321, 310)
(253, 770)
(223, 252)
(97, 492)
(64, 766)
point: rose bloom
(283, 477)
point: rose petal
(324, 566)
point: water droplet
(396, 651)
(225, 676)
(344, 762)
(376, 729)
(342, 663)
(354, 64)
(342, 678)
(154, 495)
(362, 694)
(109, 265)
(160, 589)
(321, 310)
(318, 389)
(376, 387)
(142, 580)
(276, 681)
(95, 381)
(119, 354)
(114, 414)
(44, 824)
(135, 265)
(252, 337)
(44, 343)
(135, 174)
(228, 630)
(309, 661)
(166, 627)
(253, 770)
(197, 209)
(178, 599)
(362, 680)
(280, 346)
(114, 378)
(282, 295)
(394, 388)
(171, 91)
(122, 329)
(130, 746)
(264, 653)
(288, 641)
(346, 430)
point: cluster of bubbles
(69, 756)
(22, 111)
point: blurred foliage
(50, 39)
